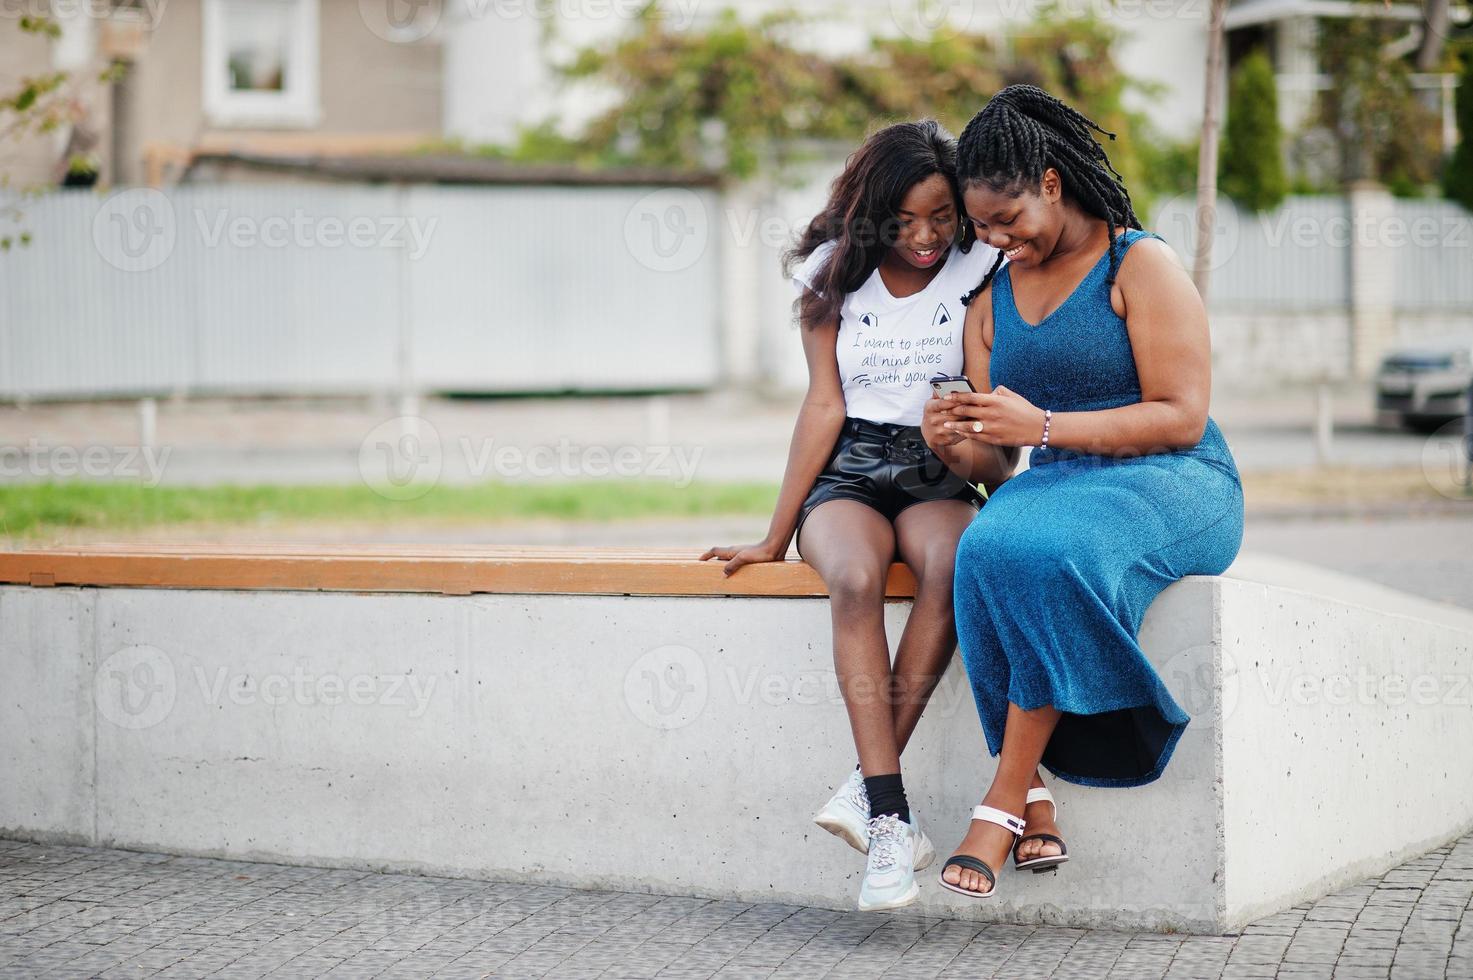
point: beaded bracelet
(1048, 417)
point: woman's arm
(975, 462)
(814, 435)
(1167, 324)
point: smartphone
(944, 384)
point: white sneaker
(846, 815)
(889, 877)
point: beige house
(300, 77)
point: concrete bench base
(680, 744)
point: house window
(260, 63)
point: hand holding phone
(938, 411)
(944, 384)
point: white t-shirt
(889, 348)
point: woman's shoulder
(1153, 253)
(1129, 236)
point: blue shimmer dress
(1056, 571)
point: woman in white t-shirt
(882, 273)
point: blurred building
(272, 76)
(304, 77)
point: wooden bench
(417, 568)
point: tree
(1383, 131)
(1457, 181)
(1252, 162)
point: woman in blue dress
(1091, 345)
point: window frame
(298, 105)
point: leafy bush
(1457, 180)
(741, 97)
(1252, 163)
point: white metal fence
(294, 288)
(286, 288)
(1296, 258)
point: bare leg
(1040, 819)
(926, 535)
(851, 546)
(1024, 738)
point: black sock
(887, 795)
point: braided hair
(1022, 132)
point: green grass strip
(33, 509)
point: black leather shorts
(887, 466)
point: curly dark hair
(1022, 132)
(861, 213)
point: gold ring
(978, 426)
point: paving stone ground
(78, 912)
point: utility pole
(1207, 154)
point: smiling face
(926, 222)
(1024, 223)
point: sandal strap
(971, 864)
(1000, 817)
(1040, 794)
(1045, 837)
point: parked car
(1426, 385)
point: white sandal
(991, 814)
(1038, 865)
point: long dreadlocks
(1022, 132)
